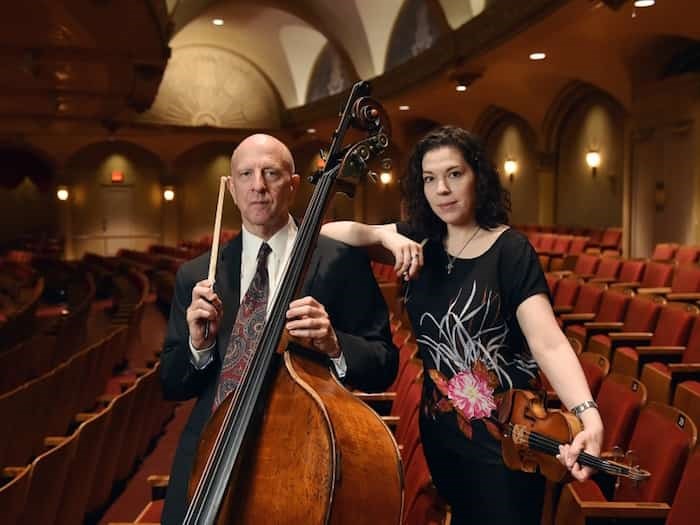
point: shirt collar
(278, 242)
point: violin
(531, 436)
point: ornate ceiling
(286, 63)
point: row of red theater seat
(74, 478)
(603, 319)
(632, 425)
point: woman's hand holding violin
(590, 440)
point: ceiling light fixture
(404, 108)
(169, 193)
(461, 87)
(311, 131)
(218, 21)
(644, 3)
(62, 193)
(538, 56)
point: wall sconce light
(593, 161)
(510, 166)
(62, 193)
(385, 176)
(169, 193)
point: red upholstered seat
(578, 244)
(612, 238)
(608, 268)
(632, 270)
(687, 254)
(684, 510)
(586, 264)
(422, 505)
(678, 364)
(567, 291)
(595, 368)
(49, 472)
(686, 279)
(657, 274)
(664, 251)
(672, 329)
(664, 458)
(613, 305)
(641, 316)
(13, 495)
(619, 400)
(687, 399)
(151, 512)
(552, 282)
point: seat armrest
(53, 441)
(572, 318)
(603, 280)
(603, 326)
(159, 485)
(622, 337)
(11, 472)
(564, 309)
(684, 372)
(391, 421)
(683, 296)
(380, 396)
(660, 351)
(688, 368)
(630, 510)
(561, 273)
(662, 290)
(629, 284)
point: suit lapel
(228, 287)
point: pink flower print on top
(471, 395)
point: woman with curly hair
(481, 314)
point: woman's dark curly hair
(492, 199)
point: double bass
(290, 445)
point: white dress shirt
(281, 244)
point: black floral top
(467, 332)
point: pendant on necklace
(449, 267)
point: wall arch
(582, 119)
(107, 216)
(507, 136)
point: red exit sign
(117, 177)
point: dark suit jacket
(339, 277)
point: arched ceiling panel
(255, 34)
(209, 86)
(458, 12)
(301, 45)
(377, 20)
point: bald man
(341, 314)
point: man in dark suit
(342, 313)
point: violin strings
(551, 446)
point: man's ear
(295, 182)
(230, 189)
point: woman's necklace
(451, 259)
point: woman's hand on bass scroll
(589, 440)
(205, 307)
